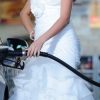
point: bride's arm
(25, 17)
(66, 6)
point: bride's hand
(35, 48)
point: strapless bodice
(38, 7)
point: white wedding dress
(43, 78)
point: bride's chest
(52, 2)
(48, 2)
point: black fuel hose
(44, 54)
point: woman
(44, 79)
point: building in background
(9, 11)
(95, 14)
(86, 21)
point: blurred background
(86, 22)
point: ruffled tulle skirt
(45, 79)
